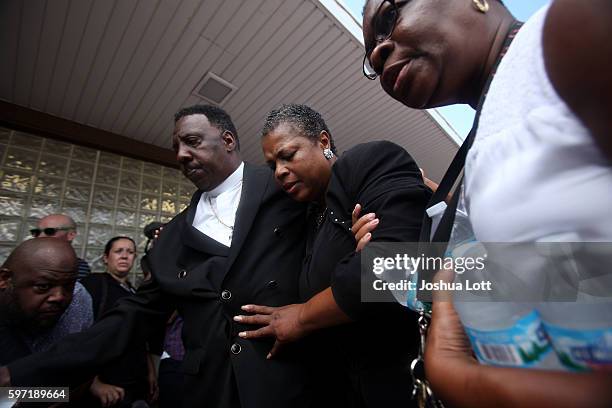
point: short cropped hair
(303, 117)
(215, 115)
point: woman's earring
(328, 153)
(481, 5)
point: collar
(127, 285)
(229, 183)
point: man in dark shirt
(63, 227)
(36, 287)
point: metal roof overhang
(126, 66)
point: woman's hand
(446, 342)
(284, 323)
(450, 366)
(362, 227)
(108, 394)
(5, 377)
(446, 339)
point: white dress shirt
(216, 212)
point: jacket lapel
(255, 182)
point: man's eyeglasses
(385, 19)
(48, 231)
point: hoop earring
(481, 5)
(328, 153)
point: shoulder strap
(443, 231)
(447, 183)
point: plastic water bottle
(581, 331)
(509, 334)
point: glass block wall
(105, 193)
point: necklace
(320, 218)
(231, 227)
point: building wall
(105, 193)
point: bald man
(37, 282)
(63, 227)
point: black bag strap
(444, 188)
(443, 231)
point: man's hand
(284, 323)
(108, 394)
(5, 377)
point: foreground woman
(541, 147)
(373, 347)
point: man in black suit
(239, 242)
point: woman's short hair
(307, 120)
(109, 244)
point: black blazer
(375, 351)
(207, 282)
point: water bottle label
(582, 350)
(523, 345)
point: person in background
(36, 289)
(130, 379)
(542, 145)
(63, 227)
(167, 344)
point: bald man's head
(56, 225)
(37, 281)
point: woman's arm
(578, 58)
(385, 181)
(292, 322)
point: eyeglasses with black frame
(48, 231)
(385, 19)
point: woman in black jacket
(372, 344)
(127, 380)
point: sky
(460, 117)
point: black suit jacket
(375, 350)
(208, 283)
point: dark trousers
(170, 382)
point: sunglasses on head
(48, 231)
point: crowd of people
(255, 289)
